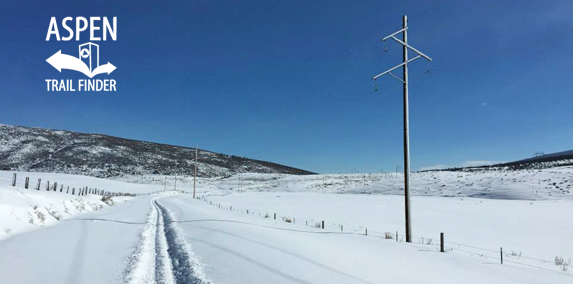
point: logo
(88, 60)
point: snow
(163, 236)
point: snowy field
(539, 184)
(230, 235)
(473, 227)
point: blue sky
(290, 81)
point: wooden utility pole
(195, 174)
(404, 80)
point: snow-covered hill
(41, 150)
(526, 184)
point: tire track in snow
(162, 255)
(186, 267)
(163, 264)
(140, 262)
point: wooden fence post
(366, 232)
(396, 235)
(442, 242)
(47, 185)
(39, 182)
(68, 190)
(322, 224)
(55, 186)
(14, 179)
(73, 191)
(27, 183)
(275, 216)
(501, 254)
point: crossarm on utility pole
(387, 37)
(395, 67)
(410, 47)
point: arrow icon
(106, 68)
(63, 61)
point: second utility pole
(195, 174)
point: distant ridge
(43, 150)
(558, 159)
(565, 155)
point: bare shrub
(559, 260)
(107, 200)
(41, 216)
(388, 235)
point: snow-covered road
(176, 239)
(87, 248)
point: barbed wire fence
(21, 181)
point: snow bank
(22, 209)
